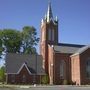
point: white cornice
(24, 64)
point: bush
(65, 82)
(45, 79)
(2, 74)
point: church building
(60, 61)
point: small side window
(23, 78)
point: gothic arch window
(88, 68)
(53, 35)
(49, 34)
(62, 69)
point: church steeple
(49, 35)
(49, 13)
(49, 16)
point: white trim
(81, 50)
(17, 73)
(22, 67)
(30, 74)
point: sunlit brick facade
(61, 61)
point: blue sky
(73, 15)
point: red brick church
(60, 61)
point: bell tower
(49, 35)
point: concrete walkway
(43, 87)
(39, 86)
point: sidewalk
(39, 86)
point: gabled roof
(81, 50)
(15, 61)
(67, 48)
(24, 65)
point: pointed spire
(49, 12)
(56, 19)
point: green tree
(1, 49)
(30, 40)
(11, 40)
(2, 74)
(0, 46)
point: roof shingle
(15, 61)
(67, 48)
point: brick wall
(83, 59)
(78, 65)
(67, 70)
(18, 78)
(51, 64)
(75, 69)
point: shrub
(2, 74)
(65, 82)
(45, 79)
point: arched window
(53, 35)
(49, 34)
(62, 69)
(88, 68)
